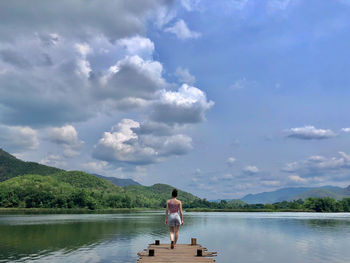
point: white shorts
(174, 219)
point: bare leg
(171, 233)
(176, 233)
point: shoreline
(8, 211)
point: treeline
(326, 204)
(78, 190)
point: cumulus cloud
(18, 138)
(114, 19)
(53, 74)
(185, 76)
(181, 30)
(250, 169)
(67, 136)
(347, 130)
(132, 77)
(54, 160)
(319, 166)
(310, 133)
(49, 69)
(187, 105)
(141, 46)
(128, 142)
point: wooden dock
(185, 253)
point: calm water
(237, 237)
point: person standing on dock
(174, 217)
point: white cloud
(190, 5)
(320, 166)
(181, 30)
(278, 4)
(114, 19)
(64, 135)
(163, 16)
(187, 105)
(57, 66)
(126, 144)
(137, 45)
(132, 77)
(18, 138)
(230, 161)
(347, 130)
(98, 167)
(250, 169)
(67, 136)
(185, 76)
(310, 133)
(54, 160)
(297, 179)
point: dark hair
(174, 193)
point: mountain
(10, 167)
(29, 184)
(118, 181)
(295, 193)
(161, 191)
(321, 192)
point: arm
(181, 214)
(166, 213)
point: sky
(218, 98)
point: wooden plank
(184, 253)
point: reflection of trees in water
(18, 241)
(335, 224)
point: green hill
(29, 184)
(160, 192)
(10, 167)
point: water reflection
(237, 237)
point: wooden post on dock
(193, 241)
(188, 253)
(151, 252)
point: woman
(174, 219)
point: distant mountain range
(295, 193)
(118, 181)
(11, 167)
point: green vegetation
(11, 167)
(40, 188)
(81, 190)
(326, 204)
(159, 193)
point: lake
(237, 237)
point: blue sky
(219, 98)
